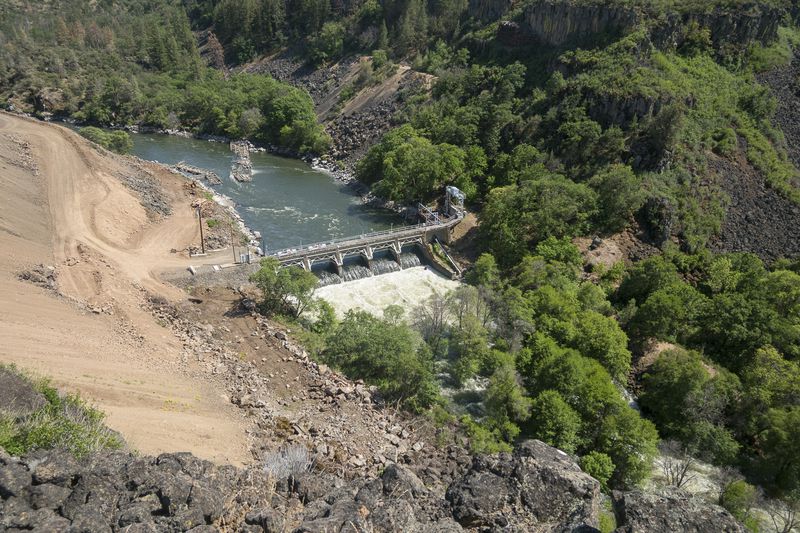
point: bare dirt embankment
(63, 204)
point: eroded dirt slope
(62, 205)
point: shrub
(483, 440)
(285, 290)
(554, 422)
(739, 498)
(116, 141)
(65, 422)
(599, 466)
(289, 461)
(385, 354)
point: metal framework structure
(334, 251)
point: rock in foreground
(535, 489)
(672, 510)
(538, 488)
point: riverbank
(67, 207)
(340, 170)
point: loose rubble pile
(354, 133)
(141, 180)
(24, 155)
(784, 83)
(759, 219)
(196, 172)
(42, 275)
(344, 422)
(318, 82)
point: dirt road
(61, 204)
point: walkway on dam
(366, 245)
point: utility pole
(200, 221)
(233, 243)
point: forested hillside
(137, 62)
(559, 119)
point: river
(288, 202)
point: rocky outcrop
(51, 491)
(672, 510)
(49, 100)
(560, 22)
(538, 488)
(535, 489)
(17, 397)
(555, 22)
(730, 28)
(488, 10)
(242, 167)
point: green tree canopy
(554, 422)
(388, 354)
(285, 290)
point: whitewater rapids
(406, 288)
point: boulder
(670, 510)
(537, 488)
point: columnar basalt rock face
(729, 29)
(558, 22)
(555, 22)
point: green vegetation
(405, 166)
(287, 290)
(553, 143)
(740, 498)
(549, 143)
(65, 422)
(116, 141)
(544, 342)
(138, 63)
(386, 353)
(733, 404)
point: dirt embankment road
(61, 204)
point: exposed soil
(62, 205)
(627, 246)
(83, 300)
(360, 121)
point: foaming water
(373, 294)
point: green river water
(288, 202)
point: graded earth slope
(63, 204)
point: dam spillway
(355, 268)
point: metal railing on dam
(335, 250)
